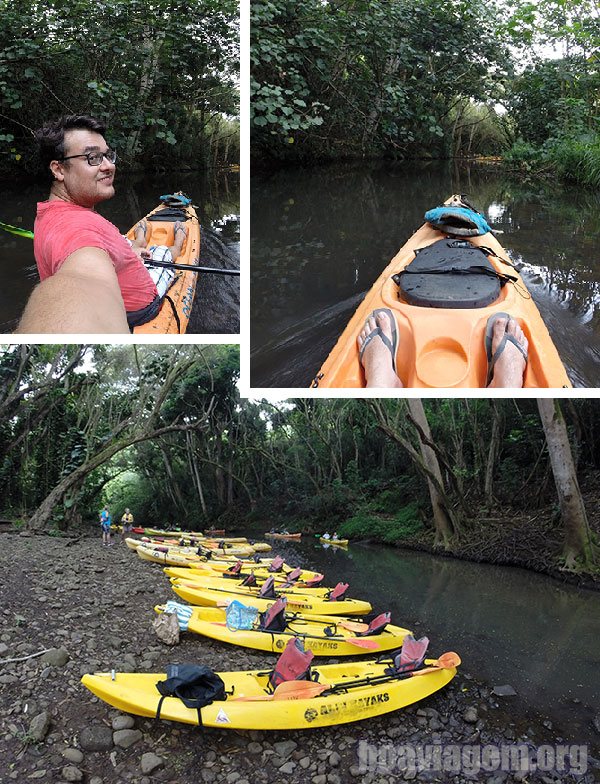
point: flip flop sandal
(506, 338)
(143, 225)
(180, 228)
(392, 344)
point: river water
(510, 626)
(216, 306)
(321, 236)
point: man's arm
(83, 296)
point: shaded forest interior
(164, 77)
(165, 432)
(373, 78)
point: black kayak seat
(170, 214)
(450, 273)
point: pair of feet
(508, 368)
(141, 231)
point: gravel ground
(92, 607)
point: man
(92, 278)
(105, 523)
(126, 524)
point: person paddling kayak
(90, 274)
(377, 344)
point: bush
(405, 524)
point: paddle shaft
(190, 267)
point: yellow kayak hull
(211, 622)
(137, 693)
(304, 603)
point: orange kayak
(441, 347)
(176, 309)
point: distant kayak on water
(442, 290)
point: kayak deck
(174, 318)
(443, 347)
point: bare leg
(377, 359)
(180, 231)
(139, 233)
(510, 365)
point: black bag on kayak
(195, 685)
(451, 274)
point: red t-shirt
(61, 228)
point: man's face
(85, 185)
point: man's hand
(82, 297)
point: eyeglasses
(95, 158)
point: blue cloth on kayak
(459, 221)
(240, 616)
(182, 611)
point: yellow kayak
(207, 580)
(336, 542)
(200, 571)
(342, 640)
(349, 692)
(305, 603)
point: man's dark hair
(51, 136)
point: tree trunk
(195, 473)
(443, 517)
(492, 455)
(445, 520)
(578, 545)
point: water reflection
(320, 237)
(509, 626)
(218, 208)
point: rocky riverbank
(90, 608)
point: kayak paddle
(446, 662)
(189, 267)
(289, 690)
(16, 230)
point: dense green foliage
(352, 78)
(189, 451)
(162, 74)
(364, 77)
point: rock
(233, 777)
(166, 628)
(504, 691)
(73, 755)
(96, 780)
(3, 648)
(254, 748)
(285, 748)
(56, 657)
(320, 779)
(126, 738)
(96, 738)
(596, 722)
(288, 768)
(150, 762)
(123, 723)
(305, 762)
(71, 773)
(39, 726)
(334, 759)
(470, 715)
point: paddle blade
(299, 690)
(354, 626)
(17, 231)
(363, 642)
(289, 690)
(446, 662)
